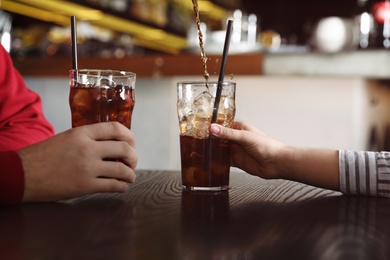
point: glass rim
(94, 72)
(188, 82)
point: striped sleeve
(364, 173)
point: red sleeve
(11, 178)
(21, 117)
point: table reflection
(153, 223)
(90, 228)
(328, 228)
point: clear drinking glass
(101, 96)
(205, 160)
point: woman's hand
(252, 150)
(258, 154)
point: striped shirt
(365, 173)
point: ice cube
(195, 118)
(226, 111)
(194, 126)
(202, 125)
(226, 105)
(105, 82)
(203, 105)
(183, 109)
(187, 124)
(82, 101)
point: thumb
(224, 132)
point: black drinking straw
(209, 153)
(74, 41)
(222, 70)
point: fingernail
(215, 129)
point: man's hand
(72, 163)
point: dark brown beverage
(203, 56)
(101, 104)
(205, 162)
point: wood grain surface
(143, 65)
(155, 219)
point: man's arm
(11, 178)
(21, 117)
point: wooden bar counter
(155, 219)
(144, 66)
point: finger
(115, 170)
(129, 159)
(110, 131)
(118, 150)
(229, 134)
(238, 125)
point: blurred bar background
(309, 73)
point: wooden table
(255, 219)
